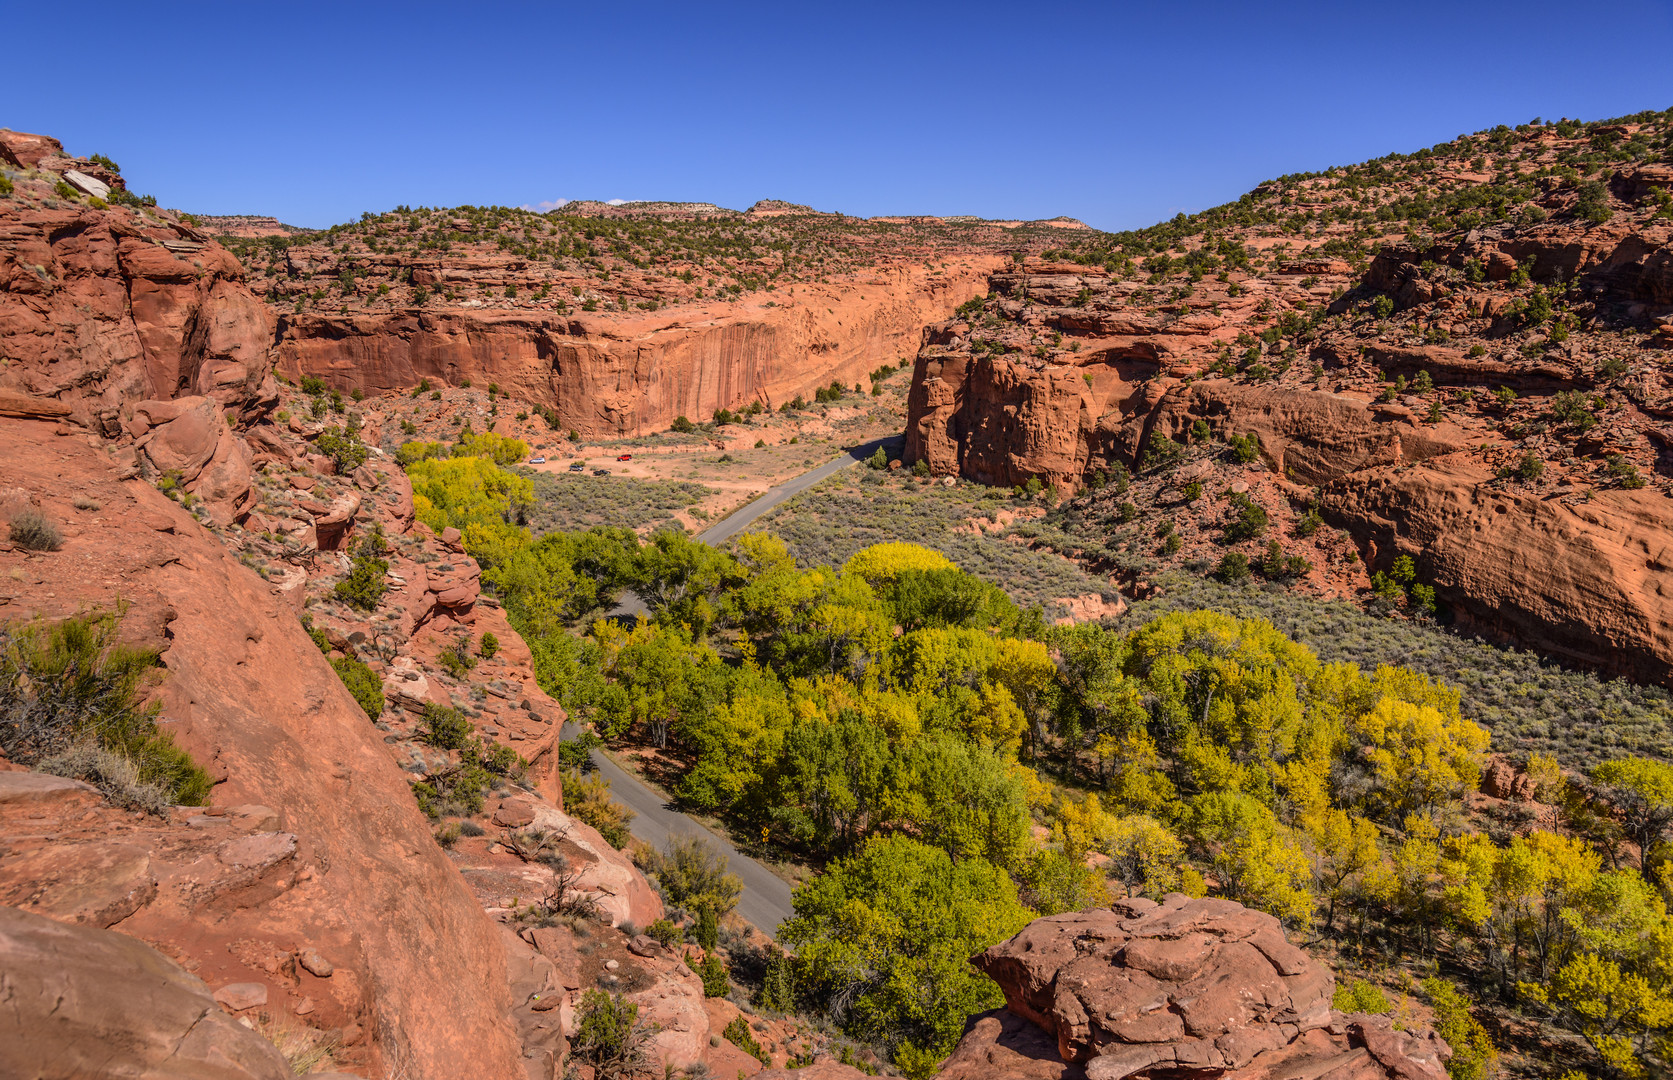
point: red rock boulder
(1185, 988)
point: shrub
(363, 683)
(1161, 452)
(664, 932)
(1233, 567)
(71, 693)
(738, 1034)
(575, 755)
(1360, 996)
(1192, 491)
(112, 773)
(713, 974)
(457, 658)
(364, 586)
(445, 727)
(1593, 204)
(1624, 472)
(343, 448)
(1244, 449)
(1473, 1054)
(1573, 407)
(1530, 468)
(707, 931)
(693, 874)
(1248, 520)
(33, 531)
(609, 1037)
(489, 646)
(879, 460)
(778, 987)
(587, 798)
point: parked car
(577, 466)
(537, 461)
(624, 457)
(601, 472)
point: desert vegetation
(1188, 749)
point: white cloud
(615, 202)
(547, 204)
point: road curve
(765, 901)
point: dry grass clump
(34, 531)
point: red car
(624, 457)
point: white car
(537, 461)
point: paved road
(740, 519)
(766, 897)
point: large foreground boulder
(1185, 988)
(79, 1002)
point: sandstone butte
(1489, 399)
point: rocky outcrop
(103, 308)
(630, 375)
(314, 842)
(1574, 577)
(87, 1002)
(1407, 405)
(1183, 989)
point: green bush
(1161, 452)
(73, 684)
(344, 448)
(609, 1037)
(664, 932)
(1360, 996)
(1248, 520)
(1233, 568)
(457, 658)
(738, 1034)
(1244, 448)
(713, 974)
(1473, 1054)
(363, 683)
(693, 874)
(445, 727)
(365, 584)
(489, 647)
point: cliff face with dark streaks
(631, 374)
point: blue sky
(1118, 114)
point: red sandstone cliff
(1493, 402)
(632, 374)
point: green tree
(883, 938)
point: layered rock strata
(1184, 989)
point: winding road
(765, 901)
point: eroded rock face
(631, 375)
(343, 865)
(81, 1001)
(100, 309)
(1184, 988)
(1579, 578)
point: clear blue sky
(1118, 114)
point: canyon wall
(633, 374)
(1525, 482)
